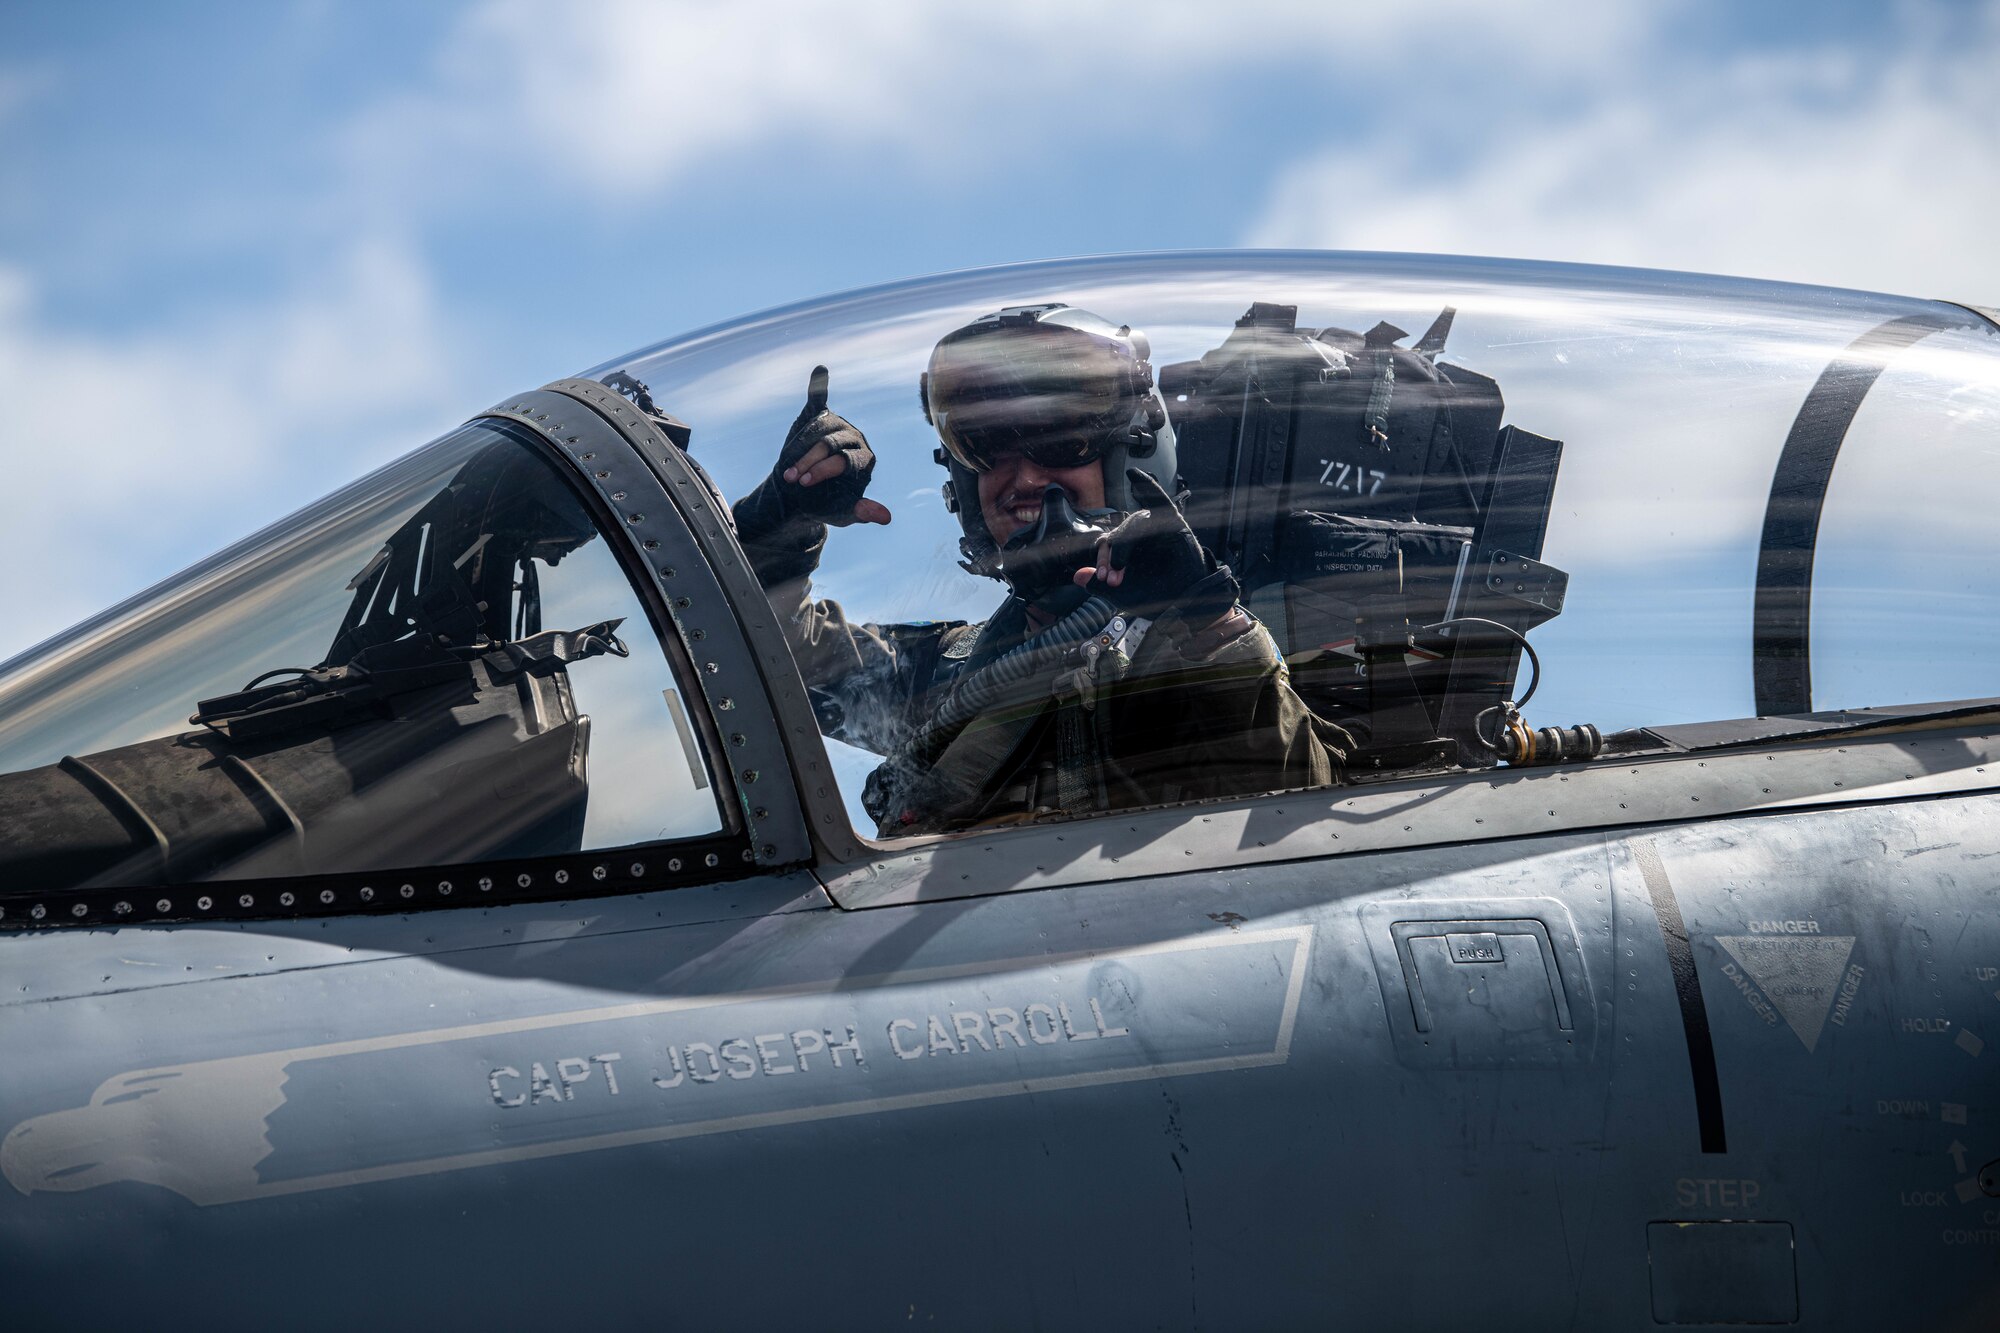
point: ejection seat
(1387, 527)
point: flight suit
(1149, 716)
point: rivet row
(124, 907)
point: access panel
(1475, 985)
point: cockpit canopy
(1693, 502)
(1635, 470)
(432, 667)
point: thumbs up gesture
(825, 464)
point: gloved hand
(819, 479)
(1153, 561)
(825, 464)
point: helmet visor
(1055, 394)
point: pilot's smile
(1010, 494)
(1026, 509)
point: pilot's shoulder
(952, 638)
(958, 640)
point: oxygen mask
(1041, 559)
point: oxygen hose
(978, 691)
(893, 785)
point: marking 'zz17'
(1351, 478)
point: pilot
(1119, 670)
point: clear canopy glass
(1694, 499)
(1672, 396)
(443, 662)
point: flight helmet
(1065, 387)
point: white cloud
(1558, 130)
(1863, 168)
(626, 96)
(128, 455)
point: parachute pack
(1386, 525)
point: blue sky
(249, 250)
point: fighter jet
(1398, 793)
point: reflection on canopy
(370, 684)
(1672, 394)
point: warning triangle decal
(1797, 972)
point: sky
(249, 251)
